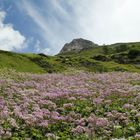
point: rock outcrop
(77, 45)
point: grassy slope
(86, 58)
(83, 60)
(16, 61)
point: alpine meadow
(69, 70)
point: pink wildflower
(102, 122)
(78, 130)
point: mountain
(78, 45)
(90, 57)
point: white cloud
(47, 51)
(108, 21)
(49, 29)
(39, 49)
(102, 21)
(37, 46)
(10, 39)
(53, 32)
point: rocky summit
(77, 45)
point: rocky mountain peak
(77, 45)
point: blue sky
(44, 26)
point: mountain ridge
(105, 58)
(78, 45)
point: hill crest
(77, 45)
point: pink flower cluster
(85, 101)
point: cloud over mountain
(98, 20)
(53, 23)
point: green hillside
(18, 62)
(116, 57)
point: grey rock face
(77, 45)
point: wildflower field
(80, 106)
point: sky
(44, 26)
